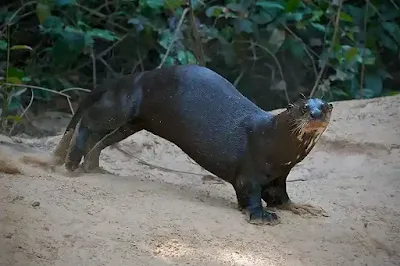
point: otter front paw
(303, 209)
(264, 217)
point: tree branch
(331, 48)
(277, 64)
(199, 48)
(363, 53)
(178, 27)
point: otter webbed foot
(263, 217)
(249, 200)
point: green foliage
(9, 94)
(237, 37)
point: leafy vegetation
(271, 50)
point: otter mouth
(309, 124)
(315, 125)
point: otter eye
(328, 106)
(302, 96)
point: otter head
(308, 115)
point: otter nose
(316, 114)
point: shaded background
(270, 50)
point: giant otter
(211, 121)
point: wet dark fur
(92, 97)
(212, 122)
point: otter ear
(330, 106)
(289, 106)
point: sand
(143, 215)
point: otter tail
(91, 98)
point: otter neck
(297, 145)
(284, 122)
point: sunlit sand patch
(244, 258)
(8, 167)
(174, 249)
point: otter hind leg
(105, 116)
(91, 160)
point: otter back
(191, 106)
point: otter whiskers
(298, 126)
